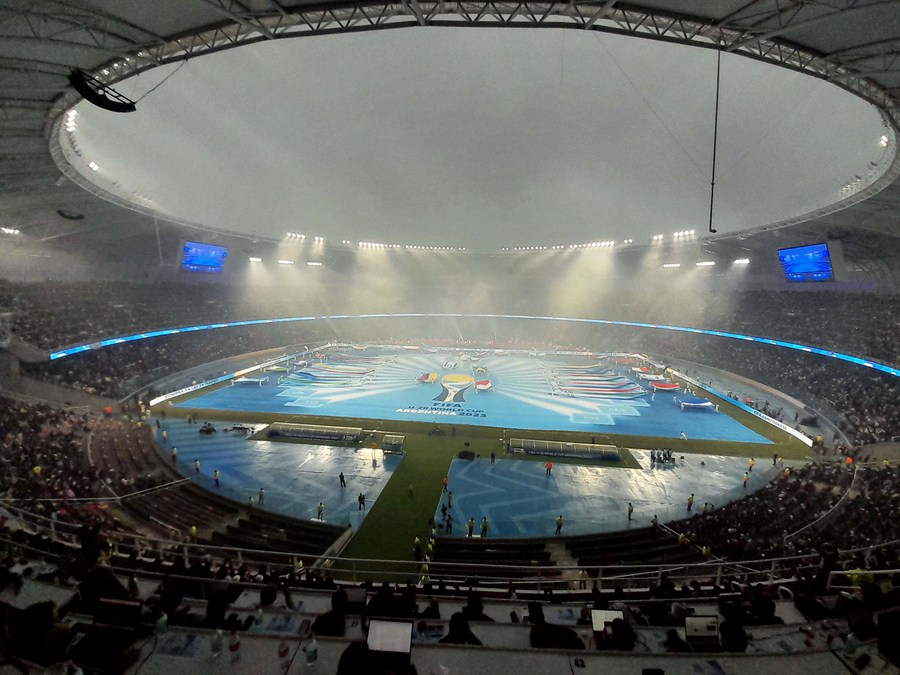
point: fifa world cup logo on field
(453, 388)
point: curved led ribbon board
(856, 360)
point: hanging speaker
(94, 91)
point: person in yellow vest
(164, 436)
(690, 502)
(471, 526)
(654, 521)
(750, 464)
(197, 466)
(321, 510)
(216, 477)
(859, 576)
(746, 478)
(484, 527)
(705, 551)
(630, 510)
(582, 579)
(174, 456)
(682, 539)
(193, 533)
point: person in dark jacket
(550, 636)
(459, 633)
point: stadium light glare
(742, 261)
(884, 141)
(706, 263)
(313, 263)
(254, 259)
(285, 261)
(670, 266)
(93, 166)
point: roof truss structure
(853, 43)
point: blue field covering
(511, 391)
(296, 477)
(516, 495)
(519, 499)
(523, 392)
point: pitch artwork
(497, 388)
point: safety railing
(850, 580)
(162, 553)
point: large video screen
(807, 263)
(200, 257)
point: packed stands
(54, 314)
(230, 583)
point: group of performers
(664, 456)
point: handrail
(847, 573)
(354, 568)
(829, 511)
(156, 488)
(162, 575)
(101, 500)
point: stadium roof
(855, 45)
